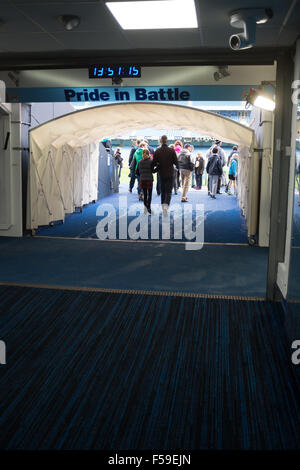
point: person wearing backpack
(186, 167)
(214, 170)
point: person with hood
(232, 174)
(145, 170)
(214, 170)
(199, 169)
(186, 167)
(137, 157)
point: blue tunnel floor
(223, 221)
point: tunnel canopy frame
(75, 134)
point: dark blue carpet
(223, 220)
(225, 270)
(107, 371)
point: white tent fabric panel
(63, 172)
(60, 179)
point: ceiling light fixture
(158, 14)
(260, 99)
(70, 22)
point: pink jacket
(178, 149)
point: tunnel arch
(113, 119)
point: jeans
(166, 184)
(147, 197)
(185, 178)
(158, 189)
(213, 183)
(175, 181)
(199, 181)
(133, 177)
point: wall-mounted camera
(247, 19)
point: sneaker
(213, 197)
(150, 211)
(130, 190)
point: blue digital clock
(111, 71)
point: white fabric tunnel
(63, 168)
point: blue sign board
(127, 94)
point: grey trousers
(213, 184)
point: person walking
(119, 160)
(132, 174)
(234, 150)
(178, 146)
(214, 170)
(222, 157)
(137, 157)
(145, 170)
(232, 174)
(175, 174)
(185, 167)
(199, 169)
(164, 159)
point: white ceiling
(31, 27)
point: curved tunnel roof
(111, 120)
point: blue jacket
(233, 167)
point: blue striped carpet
(89, 370)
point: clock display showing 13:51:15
(110, 71)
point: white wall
(11, 218)
(10, 174)
(284, 268)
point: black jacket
(184, 160)
(132, 152)
(214, 166)
(118, 159)
(145, 169)
(165, 158)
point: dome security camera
(247, 19)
